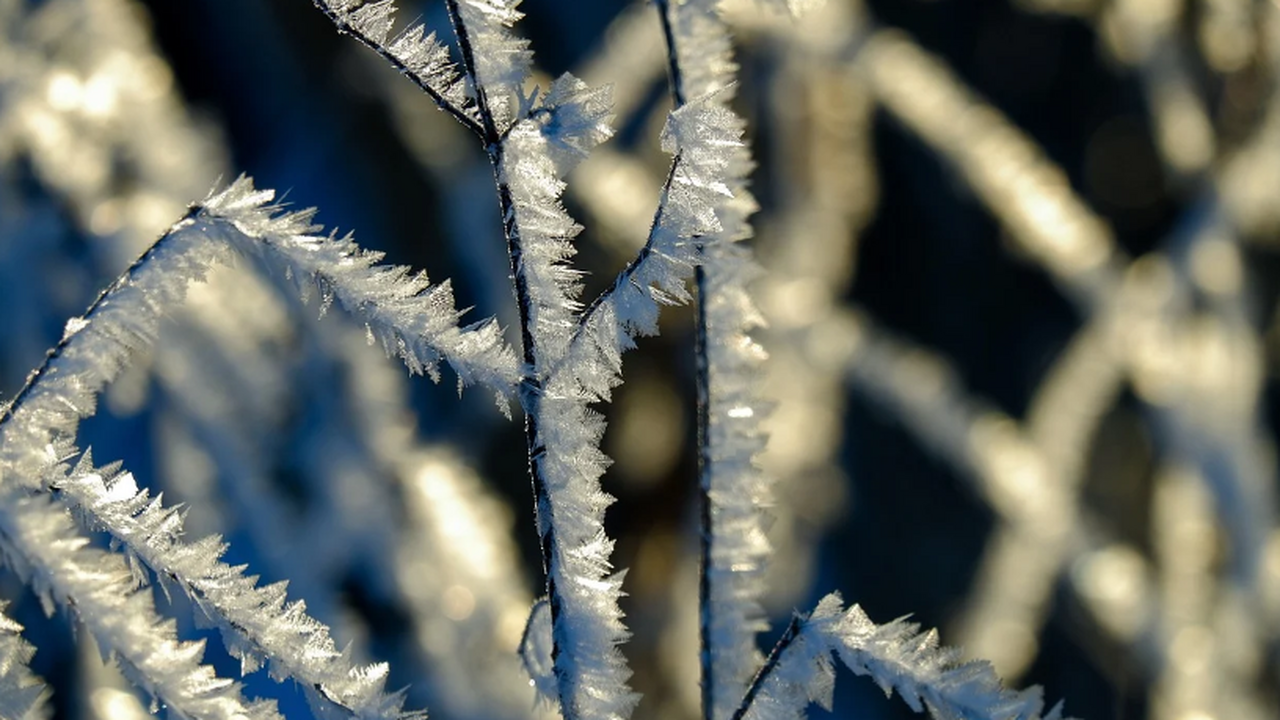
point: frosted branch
(562, 433)
(701, 136)
(410, 317)
(728, 361)
(897, 656)
(496, 61)
(43, 545)
(256, 623)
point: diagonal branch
(40, 542)
(410, 317)
(417, 55)
(256, 623)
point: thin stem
(459, 113)
(702, 383)
(766, 670)
(702, 368)
(531, 384)
(625, 277)
(8, 411)
(674, 72)
(489, 129)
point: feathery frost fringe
(41, 543)
(736, 547)
(255, 622)
(416, 53)
(896, 656)
(412, 319)
(735, 487)
(591, 674)
(22, 694)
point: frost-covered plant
(567, 358)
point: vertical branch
(488, 127)
(674, 73)
(530, 150)
(530, 391)
(702, 400)
(734, 546)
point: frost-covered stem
(531, 401)
(444, 103)
(706, 529)
(702, 408)
(7, 412)
(531, 388)
(775, 657)
(488, 127)
(255, 621)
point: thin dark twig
(625, 276)
(459, 113)
(632, 267)
(673, 60)
(702, 385)
(489, 130)
(771, 663)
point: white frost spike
(428, 60)
(374, 20)
(40, 542)
(344, 7)
(73, 326)
(22, 694)
(535, 652)
(575, 119)
(417, 54)
(897, 657)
